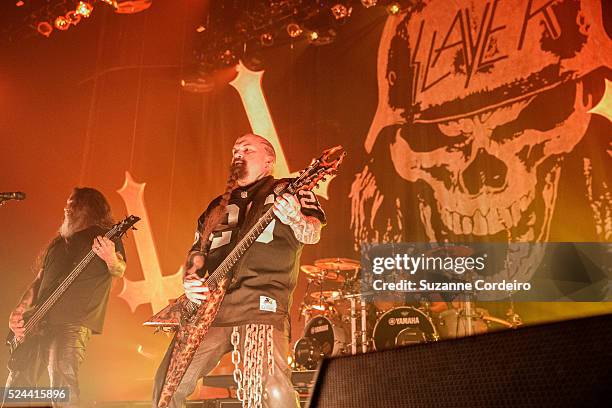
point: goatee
(239, 169)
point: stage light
(44, 28)
(112, 3)
(228, 57)
(322, 37)
(73, 17)
(340, 11)
(62, 23)
(266, 39)
(200, 29)
(84, 9)
(369, 3)
(394, 8)
(294, 30)
(19, 3)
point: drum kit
(341, 320)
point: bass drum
(307, 353)
(330, 336)
(402, 326)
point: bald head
(266, 145)
(256, 154)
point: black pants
(60, 350)
(277, 389)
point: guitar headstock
(319, 169)
(121, 227)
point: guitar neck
(245, 243)
(49, 302)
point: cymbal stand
(467, 313)
(353, 325)
(513, 317)
(469, 328)
(364, 334)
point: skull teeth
(515, 210)
(480, 224)
(505, 217)
(467, 225)
(495, 220)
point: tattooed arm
(105, 249)
(306, 229)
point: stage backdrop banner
(464, 121)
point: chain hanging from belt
(257, 346)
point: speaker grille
(563, 364)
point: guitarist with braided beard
(59, 348)
(253, 319)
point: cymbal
(316, 304)
(312, 271)
(338, 264)
(328, 295)
(318, 274)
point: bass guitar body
(22, 351)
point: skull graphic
(479, 104)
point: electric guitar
(192, 321)
(36, 316)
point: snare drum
(402, 326)
(329, 335)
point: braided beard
(238, 170)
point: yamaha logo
(319, 329)
(404, 320)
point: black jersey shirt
(265, 277)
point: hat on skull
(442, 60)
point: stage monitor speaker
(564, 364)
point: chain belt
(257, 345)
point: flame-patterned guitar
(191, 320)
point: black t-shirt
(265, 277)
(85, 300)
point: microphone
(16, 195)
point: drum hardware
(353, 325)
(364, 334)
(502, 322)
(513, 317)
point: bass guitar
(34, 318)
